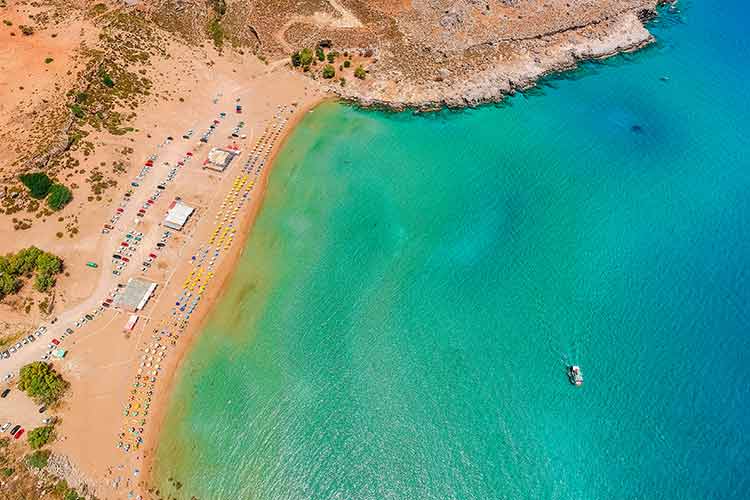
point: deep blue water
(400, 322)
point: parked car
(15, 429)
(68, 331)
(5, 393)
(42, 409)
(18, 434)
(55, 342)
(5, 427)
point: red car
(150, 201)
(180, 163)
(189, 153)
(119, 210)
(149, 163)
(152, 255)
(125, 259)
(108, 301)
(124, 244)
(55, 341)
(109, 226)
(19, 433)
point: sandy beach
(100, 461)
(102, 360)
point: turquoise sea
(399, 324)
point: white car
(5, 427)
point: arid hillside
(423, 52)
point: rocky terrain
(425, 53)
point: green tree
(347, 63)
(296, 59)
(331, 56)
(44, 282)
(38, 459)
(38, 183)
(41, 382)
(59, 196)
(329, 71)
(320, 54)
(40, 436)
(360, 73)
(47, 263)
(8, 284)
(306, 57)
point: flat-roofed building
(220, 158)
(178, 215)
(135, 295)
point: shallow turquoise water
(400, 321)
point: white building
(177, 215)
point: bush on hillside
(38, 459)
(360, 73)
(296, 59)
(329, 71)
(40, 436)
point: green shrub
(99, 9)
(38, 183)
(305, 58)
(41, 382)
(331, 56)
(8, 471)
(59, 196)
(360, 73)
(347, 63)
(320, 54)
(217, 32)
(296, 59)
(107, 80)
(38, 459)
(77, 111)
(40, 436)
(329, 71)
(48, 60)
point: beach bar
(135, 295)
(178, 215)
